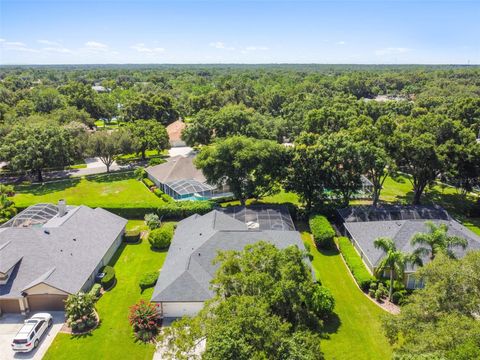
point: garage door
(10, 306)
(179, 309)
(46, 302)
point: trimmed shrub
(108, 280)
(148, 182)
(152, 220)
(355, 264)
(95, 290)
(160, 238)
(158, 192)
(371, 292)
(183, 209)
(132, 236)
(322, 231)
(166, 198)
(148, 280)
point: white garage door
(179, 309)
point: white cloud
(16, 46)
(221, 45)
(341, 42)
(392, 51)
(48, 42)
(58, 49)
(140, 47)
(96, 46)
(256, 48)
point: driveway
(9, 326)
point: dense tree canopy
(36, 147)
(266, 307)
(441, 321)
(250, 167)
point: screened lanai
(37, 214)
(184, 188)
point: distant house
(179, 178)
(174, 131)
(99, 88)
(364, 224)
(184, 282)
(50, 251)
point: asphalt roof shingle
(62, 253)
(188, 268)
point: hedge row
(183, 209)
(355, 263)
(131, 236)
(323, 233)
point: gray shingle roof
(401, 232)
(176, 168)
(188, 268)
(62, 253)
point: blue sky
(268, 31)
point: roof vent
(62, 207)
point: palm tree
(394, 261)
(436, 240)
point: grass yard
(114, 339)
(356, 334)
(119, 190)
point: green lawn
(119, 190)
(356, 332)
(114, 339)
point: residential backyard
(114, 339)
(118, 190)
(356, 332)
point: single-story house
(174, 131)
(179, 178)
(364, 224)
(184, 282)
(50, 251)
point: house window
(413, 282)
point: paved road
(9, 326)
(95, 166)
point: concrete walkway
(9, 326)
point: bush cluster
(79, 311)
(355, 263)
(148, 280)
(160, 238)
(156, 161)
(109, 279)
(152, 220)
(323, 233)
